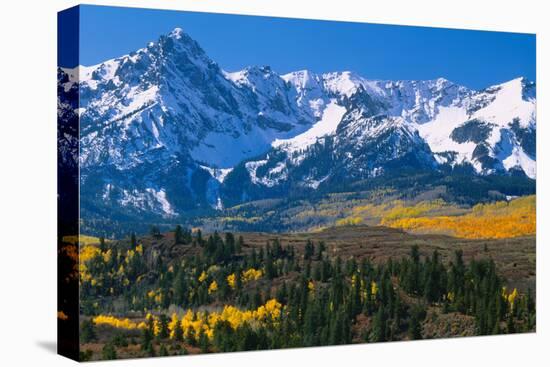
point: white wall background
(28, 181)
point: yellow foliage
(88, 252)
(82, 239)
(196, 322)
(511, 298)
(240, 219)
(202, 277)
(349, 221)
(107, 256)
(497, 220)
(213, 287)
(232, 280)
(500, 219)
(172, 325)
(251, 274)
(373, 288)
(62, 316)
(117, 323)
(129, 255)
(156, 295)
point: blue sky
(473, 58)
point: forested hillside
(185, 292)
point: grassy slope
(500, 219)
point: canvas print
(234, 183)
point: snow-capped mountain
(371, 127)
(165, 130)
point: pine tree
(199, 237)
(155, 232)
(163, 333)
(146, 338)
(270, 271)
(102, 246)
(230, 243)
(133, 240)
(308, 251)
(150, 349)
(180, 288)
(415, 328)
(204, 343)
(413, 279)
(321, 247)
(109, 351)
(510, 325)
(87, 332)
(336, 335)
(378, 333)
(178, 235)
(178, 332)
(239, 245)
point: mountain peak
(520, 86)
(176, 33)
(442, 81)
(301, 78)
(258, 70)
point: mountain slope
(166, 132)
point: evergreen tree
(178, 235)
(102, 246)
(178, 332)
(204, 343)
(109, 351)
(415, 328)
(308, 251)
(163, 333)
(163, 352)
(239, 245)
(87, 332)
(230, 243)
(510, 325)
(155, 232)
(321, 247)
(133, 240)
(378, 333)
(150, 349)
(180, 288)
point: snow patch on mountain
(332, 115)
(218, 173)
(272, 177)
(437, 133)
(508, 104)
(149, 199)
(347, 83)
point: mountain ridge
(164, 128)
